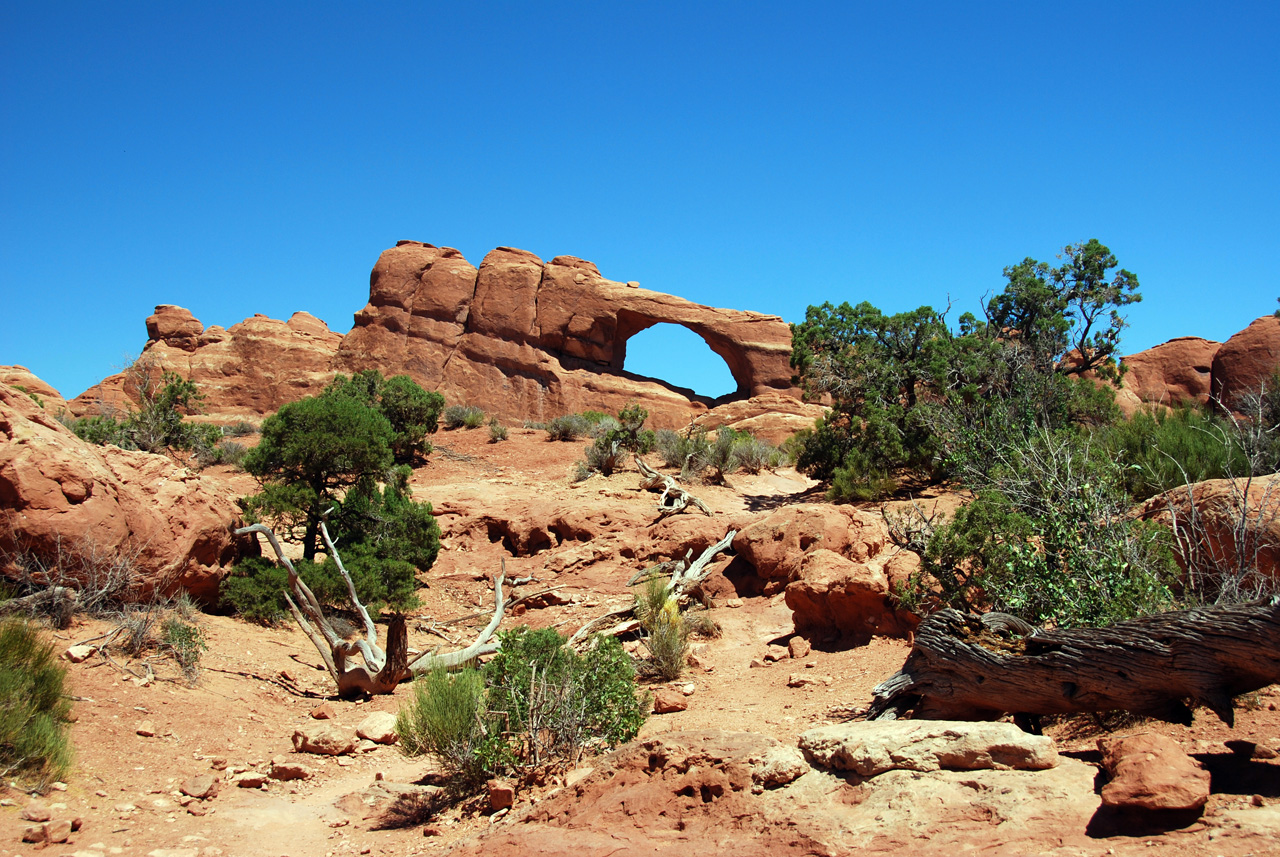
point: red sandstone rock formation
(1246, 361)
(526, 339)
(1172, 373)
(60, 496)
(246, 371)
(22, 378)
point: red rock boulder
(22, 378)
(1150, 771)
(1246, 361)
(1173, 373)
(64, 499)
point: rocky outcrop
(1246, 362)
(833, 565)
(773, 416)
(21, 378)
(1173, 373)
(88, 508)
(524, 338)
(244, 372)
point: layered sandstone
(527, 339)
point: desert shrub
(463, 416)
(1167, 450)
(581, 472)
(34, 710)
(497, 431)
(604, 426)
(242, 428)
(666, 632)
(185, 643)
(536, 702)
(751, 454)
(254, 590)
(672, 446)
(411, 412)
(568, 427)
(225, 452)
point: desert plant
(497, 431)
(34, 710)
(242, 428)
(463, 416)
(185, 643)
(254, 590)
(751, 454)
(667, 633)
(446, 718)
(568, 427)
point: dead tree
(674, 498)
(685, 577)
(964, 668)
(382, 669)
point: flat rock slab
(324, 740)
(927, 745)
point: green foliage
(751, 454)
(39, 402)
(411, 411)
(241, 428)
(158, 421)
(35, 713)
(568, 427)
(497, 431)
(535, 702)
(185, 642)
(1169, 449)
(463, 416)
(224, 452)
(615, 439)
(666, 632)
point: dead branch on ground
(674, 498)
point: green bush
(241, 429)
(751, 454)
(497, 431)
(463, 416)
(410, 411)
(255, 589)
(536, 702)
(568, 427)
(185, 643)
(226, 452)
(1166, 450)
(667, 633)
(34, 710)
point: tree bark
(964, 668)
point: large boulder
(776, 546)
(1173, 373)
(1150, 771)
(835, 595)
(1246, 361)
(871, 748)
(82, 507)
(1228, 527)
(22, 378)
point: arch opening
(675, 355)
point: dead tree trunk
(962, 668)
(381, 669)
(674, 498)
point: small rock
(146, 729)
(80, 654)
(201, 787)
(799, 647)
(871, 748)
(777, 653)
(1150, 771)
(125, 807)
(77, 823)
(379, 727)
(1257, 800)
(35, 833)
(756, 664)
(669, 700)
(218, 763)
(801, 680)
(57, 831)
(688, 689)
(250, 780)
(324, 711)
(284, 769)
(36, 811)
(58, 787)
(733, 602)
(502, 794)
(431, 830)
(198, 809)
(326, 740)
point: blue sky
(236, 158)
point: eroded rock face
(1246, 361)
(526, 339)
(1173, 373)
(50, 400)
(58, 493)
(244, 372)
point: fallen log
(962, 668)
(674, 497)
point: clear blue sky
(236, 158)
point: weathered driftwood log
(382, 669)
(961, 668)
(685, 576)
(674, 498)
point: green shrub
(667, 633)
(185, 643)
(255, 589)
(672, 446)
(751, 454)
(35, 748)
(241, 429)
(568, 427)
(536, 702)
(1167, 450)
(463, 416)
(226, 452)
(497, 431)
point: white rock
(379, 727)
(926, 745)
